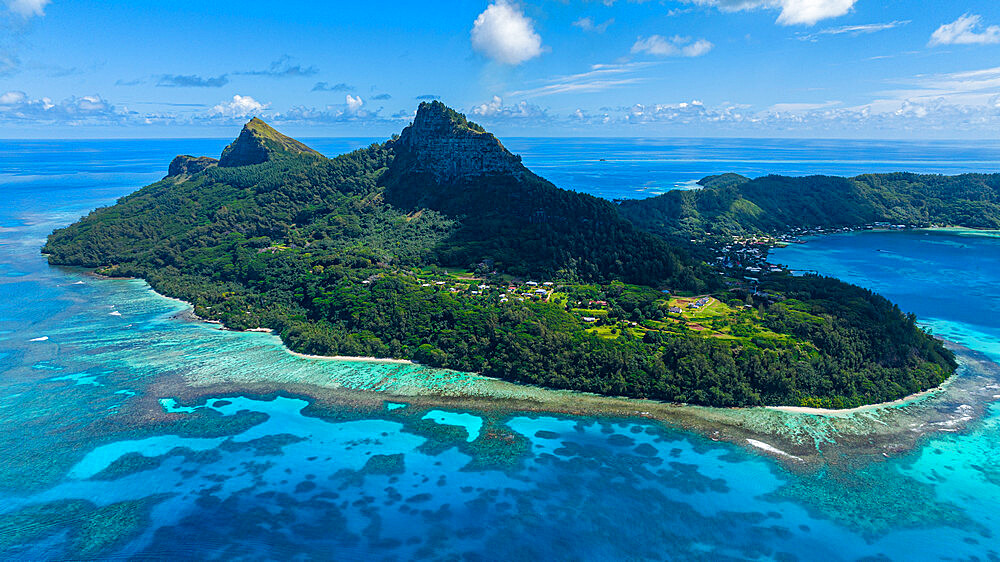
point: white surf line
(771, 449)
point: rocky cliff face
(441, 143)
(259, 142)
(185, 164)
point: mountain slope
(258, 143)
(509, 215)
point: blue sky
(767, 68)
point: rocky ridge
(443, 144)
(185, 164)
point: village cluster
(519, 291)
(746, 256)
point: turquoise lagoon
(145, 434)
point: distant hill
(732, 204)
(440, 246)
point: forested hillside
(441, 247)
(732, 204)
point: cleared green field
(614, 332)
(561, 299)
(595, 312)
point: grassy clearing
(717, 319)
(561, 299)
(614, 332)
(595, 312)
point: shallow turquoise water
(100, 459)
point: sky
(615, 68)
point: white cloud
(18, 106)
(12, 98)
(676, 46)
(503, 33)
(352, 110)
(600, 77)
(240, 106)
(880, 117)
(808, 12)
(489, 108)
(27, 8)
(966, 30)
(354, 103)
(793, 12)
(966, 88)
(854, 30)
(587, 24)
(495, 108)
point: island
(440, 246)
(730, 204)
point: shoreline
(190, 314)
(798, 438)
(349, 358)
(785, 238)
(844, 412)
(823, 412)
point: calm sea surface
(99, 460)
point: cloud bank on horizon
(855, 68)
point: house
(532, 284)
(675, 310)
(703, 301)
(547, 283)
(589, 319)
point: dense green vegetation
(462, 258)
(732, 204)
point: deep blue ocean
(101, 456)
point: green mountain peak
(438, 117)
(259, 142)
